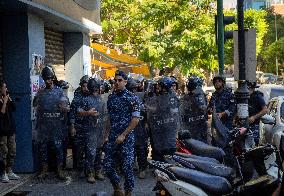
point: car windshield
(275, 92)
(268, 75)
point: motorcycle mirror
(268, 119)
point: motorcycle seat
(215, 185)
(196, 157)
(216, 169)
(203, 149)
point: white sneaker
(13, 176)
(4, 178)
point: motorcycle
(193, 176)
(189, 174)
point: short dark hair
(2, 82)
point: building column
(23, 35)
(77, 54)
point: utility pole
(220, 32)
(276, 39)
(242, 93)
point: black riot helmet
(192, 83)
(149, 86)
(48, 73)
(94, 85)
(221, 78)
(84, 80)
(131, 84)
(106, 86)
(165, 83)
(174, 80)
(252, 84)
(63, 84)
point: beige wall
(72, 9)
(279, 9)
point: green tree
(173, 33)
(273, 51)
(267, 59)
(163, 32)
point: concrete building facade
(55, 31)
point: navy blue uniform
(122, 107)
(141, 138)
(50, 121)
(224, 101)
(256, 103)
(78, 122)
(92, 129)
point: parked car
(273, 123)
(271, 90)
(269, 78)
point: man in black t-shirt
(257, 108)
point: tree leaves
(174, 33)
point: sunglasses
(118, 80)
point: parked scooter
(193, 176)
(191, 146)
(187, 174)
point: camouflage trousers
(126, 154)
(7, 150)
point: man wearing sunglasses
(124, 113)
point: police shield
(141, 95)
(193, 117)
(106, 125)
(220, 132)
(50, 118)
(163, 119)
(140, 132)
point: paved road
(78, 186)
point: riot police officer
(257, 108)
(193, 110)
(141, 137)
(124, 113)
(163, 119)
(77, 123)
(92, 111)
(52, 106)
(223, 101)
(175, 85)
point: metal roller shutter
(54, 52)
(1, 64)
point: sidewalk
(13, 184)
